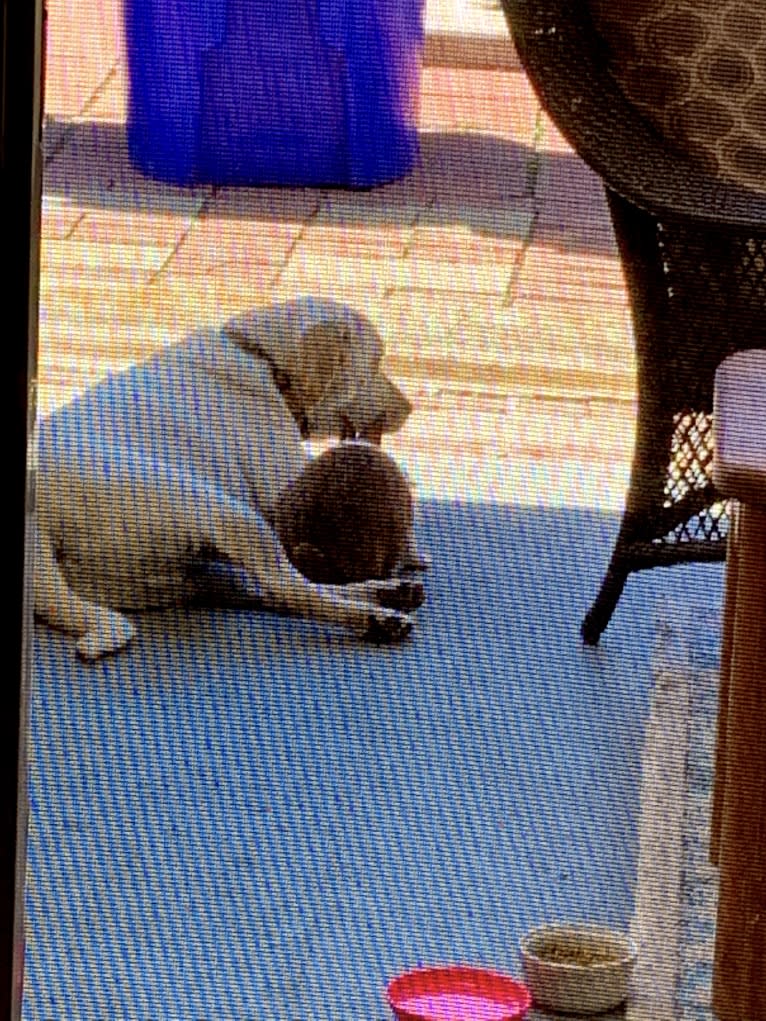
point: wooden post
(727, 643)
(739, 970)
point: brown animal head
(347, 517)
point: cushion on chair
(697, 71)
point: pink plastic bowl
(457, 993)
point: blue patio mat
(248, 817)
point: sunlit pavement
(491, 269)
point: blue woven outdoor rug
(676, 897)
(699, 882)
(248, 817)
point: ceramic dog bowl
(577, 969)
(457, 993)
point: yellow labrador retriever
(186, 455)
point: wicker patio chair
(691, 241)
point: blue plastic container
(284, 92)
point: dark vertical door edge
(21, 47)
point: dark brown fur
(347, 517)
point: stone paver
(549, 274)
(491, 269)
(470, 32)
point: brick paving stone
(89, 277)
(549, 274)
(58, 221)
(475, 51)
(511, 221)
(92, 170)
(502, 105)
(109, 101)
(397, 203)
(384, 241)
(550, 139)
(233, 247)
(245, 278)
(114, 341)
(543, 351)
(467, 19)
(347, 278)
(61, 380)
(530, 427)
(595, 334)
(279, 205)
(469, 277)
(417, 321)
(74, 256)
(84, 41)
(458, 243)
(504, 86)
(476, 169)
(111, 226)
(442, 467)
(57, 390)
(88, 342)
(80, 297)
(573, 212)
(198, 301)
(104, 317)
(564, 172)
(56, 131)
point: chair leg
(669, 384)
(600, 613)
(635, 232)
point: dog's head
(347, 517)
(329, 356)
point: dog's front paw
(405, 595)
(385, 629)
(110, 634)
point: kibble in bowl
(577, 969)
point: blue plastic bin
(285, 92)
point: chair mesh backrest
(697, 70)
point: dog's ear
(325, 354)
